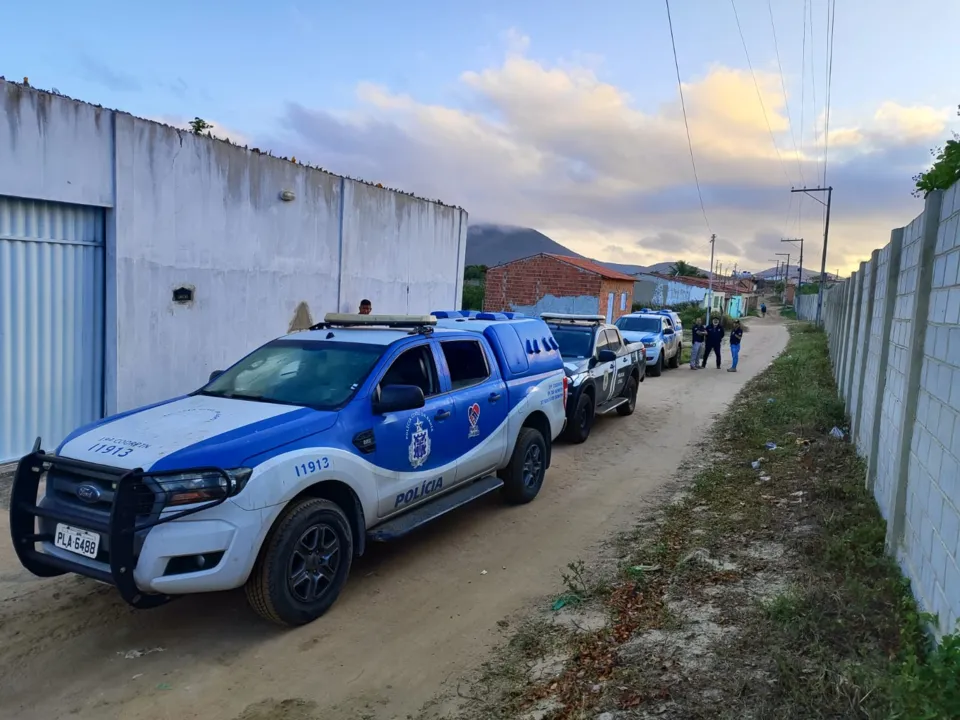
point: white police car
(275, 474)
(662, 342)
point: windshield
(321, 375)
(574, 342)
(639, 324)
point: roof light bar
(571, 317)
(392, 321)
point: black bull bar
(121, 530)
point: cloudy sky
(555, 114)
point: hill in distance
(497, 244)
(490, 245)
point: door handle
(442, 415)
(494, 397)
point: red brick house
(556, 283)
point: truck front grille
(95, 495)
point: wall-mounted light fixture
(287, 195)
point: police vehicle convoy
(603, 370)
(662, 340)
(276, 473)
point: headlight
(649, 345)
(190, 488)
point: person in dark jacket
(699, 335)
(735, 337)
(714, 338)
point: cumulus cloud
(559, 149)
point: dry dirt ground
(415, 617)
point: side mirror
(606, 356)
(397, 398)
(214, 375)
(668, 332)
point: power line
(783, 86)
(803, 106)
(813, 86)
(686, 124)
(757, 86)
(831, 16)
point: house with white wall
(135, 258)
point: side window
(613, 340)
(414, 367)
(667, 325)
(466, 362)
(601, 342)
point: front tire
(578, 429)
(523, 477)
(658, 367)
(303, 565)
(630, 405)
(675, 360)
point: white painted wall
(188, 210)
(654, 290)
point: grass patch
(763, 593)
(788, 312)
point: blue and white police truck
(662, 342)
(276, 473)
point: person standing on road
(735, 337)
(714, 338)
(763, 309)
(699, 335)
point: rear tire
(657, 368)
(523, 477)
(675, 360)
(579, 425)
(303, 564)
(630, 405)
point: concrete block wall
(894, 338)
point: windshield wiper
(241, 396)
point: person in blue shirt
(735, 337)
(763, 309)
(714, 338)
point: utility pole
(713, 240)
(786, 276)
(800, 266)
(826, 236)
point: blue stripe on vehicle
(232, 448)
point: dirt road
(415, 615)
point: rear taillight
(566, 383)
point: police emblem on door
(418, 436)
(473, 417)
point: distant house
(556, 283)
(732, 296)
(662, 291)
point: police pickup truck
(603, 371)
(276, 473)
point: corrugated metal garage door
(51, 321)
